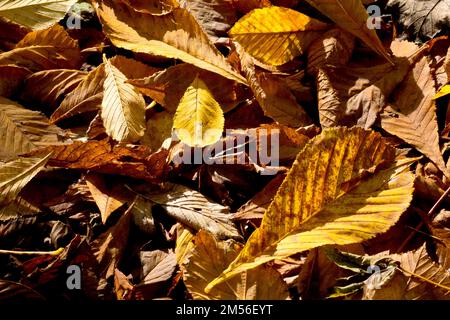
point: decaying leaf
(47, 49)
(343, 212)
(207, 260)
(100, 156)
(351, 16)
(422, 19)
(273, 95)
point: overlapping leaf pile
(134, 141)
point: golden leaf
(327, 198)
(199, 119)
(123, 107)
(208, 259)
(275, 35)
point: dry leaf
(47, 49)
(123, 107)
(35, 14)
(412, 114)
(23, 130)
(196, 211)
(15, 175)
(275, 35)
(207, 260)
(344, 212)
(177, 35)
(351, 16)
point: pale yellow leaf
(35, 14)
(123, 107)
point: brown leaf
(215, 16)
(23, 130)
(49, 87)
(109, 247)
(108, 198)
(100, 156)
(412, 114)
(44, 50)
(11, 78)
(334, 47)
(272, 94)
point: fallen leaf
(196, 211)
(351, 16)
(199, 119)
(24, 130)
(47, 49)
(275, 35)
(272, 94)
(100, 156)
(123, 107)
(299, 219)
(207, 260)
(421, 19)
(412, 114)
(15, 175)
(35, 14)
(178, 35)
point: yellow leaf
(351, 16)
(199, 119)
(174, 35)
(327, 198)
(14, 175)
(445, 90)
(184, 243)
(208, 259)
(35, 14)
(123, 107)
(275, 35)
